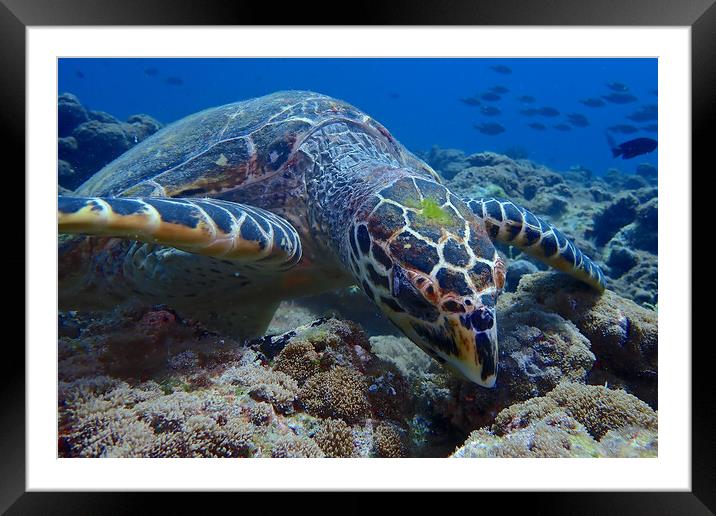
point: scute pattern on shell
(218, 149)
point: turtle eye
(409, 296)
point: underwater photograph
(357, 257)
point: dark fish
(623, 129)
(471, 101)
(502, 69)
(562, 127)
(151, 71)
(499, 89)
(619, 98)
(490, 128)
(578, 120)
(592, 102)
(618, 86)
(537, 126)
(651, 128)
(394, 95)
(548, 111)
(79, 74)
(654, 92)
(645, 113)
(492, 97)
(632, 148)
(174, 81)
(529, 112)
(490, 110)
(527, 99)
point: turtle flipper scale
(208, 227)
(513, 225)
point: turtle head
(421, 254)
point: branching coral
(600, 409)
(339, 392)
(335, 438)
(556, 435)
(298, 360)
(206, 438)
(597, 408)
(262, 383)
(291, 446)
(389, 441)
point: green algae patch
(430, 211)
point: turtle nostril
(482, 319)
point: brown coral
(597, 408)
(291, 446)
(206, 438)
(339, 392)
(298, 360)
(263, 384)
(335, 438)
(600, 409)
(108, 418)
(573, 420)
(389, 441)
(261, 413)
(280, 391)
(556, 435)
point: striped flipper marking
(209, 227)
(513, 225)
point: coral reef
(88, 140)
(335, 438)
(573, 420)
(622, 334)
(617, 214)
(389, 441)
(338, 392)
(146, 382)
(556, 435)
(312, 392)
(291, 446)
(518, 268)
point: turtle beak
(466, 343)
(475, 336)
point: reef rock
(447, 162)
(88, 140)
(613, 217)
(517, 269)
(573, 420)
(622, 334)
(70, 114)
(643, 232)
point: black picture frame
(700, 15)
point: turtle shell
(221, 149)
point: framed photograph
(424, 252)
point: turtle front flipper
(208, 227)
(513, 225)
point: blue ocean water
(418, 100)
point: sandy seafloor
(578, 371)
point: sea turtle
(226, 212)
